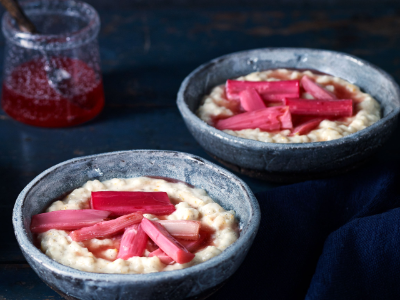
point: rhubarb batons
(133, 242)
(106, 228)
(166, 242)
(268, 90)
(342, 107)
(268, 119)
(181, 229)
(122, 203)
(306, 127)
(193, 246)
(164, 258)
(316, 90)
(67, 219)
(250, 100)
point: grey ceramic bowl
(196, 281)
(290, 162)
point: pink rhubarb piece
(268, 90)
(164, 258)
(166, 242)
(285, 119)
(133, 242)
(318, 107)
(106, 228)
(278, 98)
(267, 119)
(67, 219)
(122, 203)
(316, 90)
(306, 127)
(187, 230)
(251, 100)
(193, 246)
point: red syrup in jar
(27, 96)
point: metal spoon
(58, 78)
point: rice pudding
(366, 112)
(100, 255)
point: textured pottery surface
(225, 188)
(290, 160)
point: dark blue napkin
(336, 238)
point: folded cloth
(336, 238)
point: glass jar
(66, 46)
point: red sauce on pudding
(208, 241)
(99, 251)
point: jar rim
(53, 41)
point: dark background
(147, 48)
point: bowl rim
(258, 145)
(34, 253)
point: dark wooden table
(146, 52)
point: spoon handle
(18, 14)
